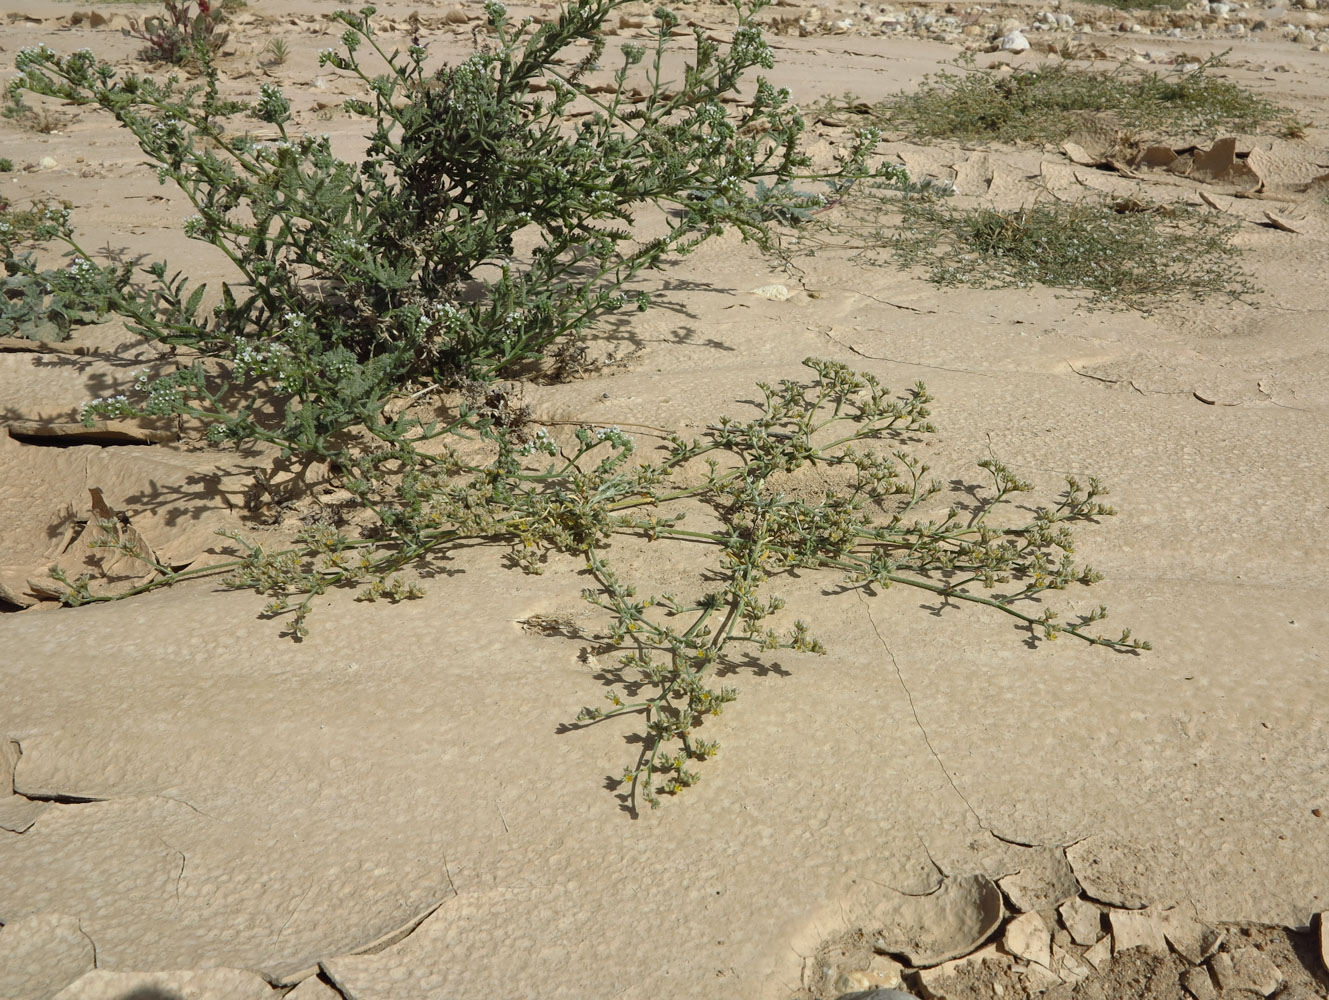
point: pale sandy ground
(196, 793)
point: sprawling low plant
(880, 522)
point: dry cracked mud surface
(191, 807)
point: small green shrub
(43, 304)
(6, 164)
(190, 30)
(1048, 103)
(360, 278)
(276, 52)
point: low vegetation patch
(1049, 102)
(1144, 4)
(1124, 251)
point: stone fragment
(1014, 42)
(776, 293)
(17, 814)
(888, 994)
(927, 930)
(1323, 921)
(196, 984)
(1108, 872)
(1067, 966)
(1252, 971)
(1077, 153)
(934, 981)
(456, 14)
(1198, 984)
(974, 175)
(1083, 919)
(1223, 969)
(1043, 883)
(1219, 164)
(42, 954)
(1136, 930)
(1039, 978)
(1190, 938)
(1098, 955)
(1156, 156)
(882, 972)
(1028, 937)
(313, 988)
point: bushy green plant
(479, 229)
(43, 303)
(189, 30)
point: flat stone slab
(199, 984)
(41, 954)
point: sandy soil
(389, 811)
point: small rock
(1039, 978)
(1224, 971)
(1014, 42)
(1067, 966)
(638, 21)
(1098, 955)
(1253, 971)
(881, 973)
(880, 995)
(1028, 937)
(1198, 984)
(47, 163)
(455, 15)
(1136, 930)
(1220, 9)
(1192, 940)
(1083, 919)
(776, 293)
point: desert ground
(394, 809)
